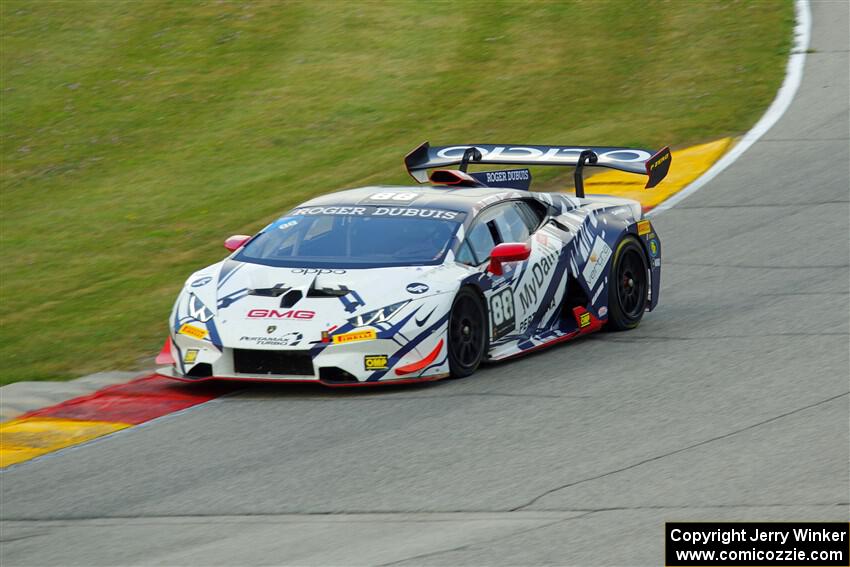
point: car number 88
(391, 196)
(502, 307)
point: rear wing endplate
(632, 160)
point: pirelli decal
(657, 167)
(193, 331)
(354, 336)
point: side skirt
(586, 322)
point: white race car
(398, 284)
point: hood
(250, 299)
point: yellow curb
(688, 164)
(24, 439)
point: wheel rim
(631, 284)
(466, 336)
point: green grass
(137, 135)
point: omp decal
(375, 362)
(585, 321)
(191, 355)
(644, 227)
(502, 312)
(192, 331)
(596, 262)
(354, 336)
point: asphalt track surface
(730, 402)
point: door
(514, 298)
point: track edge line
(784, 97)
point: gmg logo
(275, 314)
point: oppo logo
(316, 271)
(551, 154)
(275, 314)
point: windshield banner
(372, 211)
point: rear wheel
(628, 286)
(467, 333)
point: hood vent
(338, 291)
(291, 298)
(275, 291)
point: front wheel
(628, 285)
(467, 333)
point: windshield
(355, 237)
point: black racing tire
(467, 334)
(628, 285)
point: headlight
(377, 316)
(197, 309)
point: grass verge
(137, 135)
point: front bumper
(367, 362)
(170, 372)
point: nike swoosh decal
(421, 322)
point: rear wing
(631, 160)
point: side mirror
(236, 242)
(507, 252)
